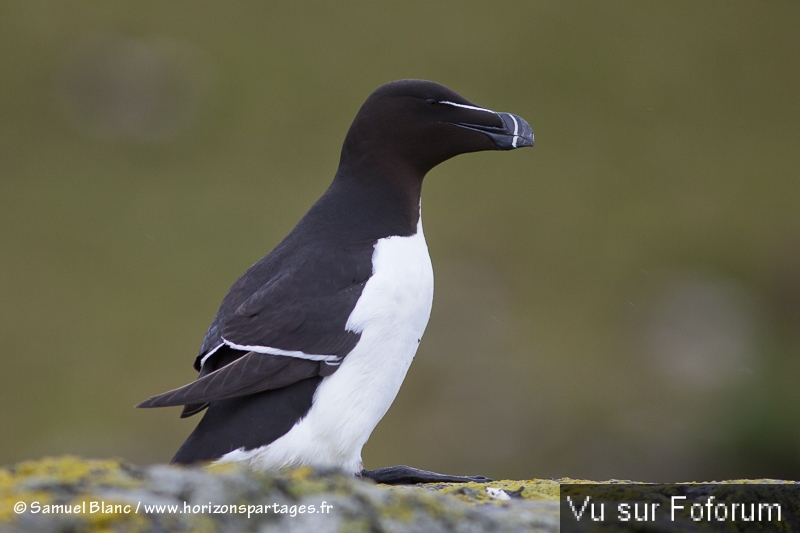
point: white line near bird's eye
(465, 106)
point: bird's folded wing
(253, 372)
(299, 322)
(292, 328)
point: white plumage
(391, 316)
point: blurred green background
(622, 301)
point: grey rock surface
(71, 494)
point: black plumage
(241, 422)
(282, 327)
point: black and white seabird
(311, 344)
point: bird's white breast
(391, 316)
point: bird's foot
(405, 475)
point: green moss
(398, 510)
(531, 489)
(356, 525)
(72, 470)
(303, 481)
(405, 503)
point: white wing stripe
(278, 351)
(210, 353)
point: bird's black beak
(515, 132)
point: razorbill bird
(311, 344)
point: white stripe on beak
(516, 130)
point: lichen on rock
(73, 494)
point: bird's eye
(432, 103)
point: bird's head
(422, 123)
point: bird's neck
(372, 201)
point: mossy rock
(76, 495)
